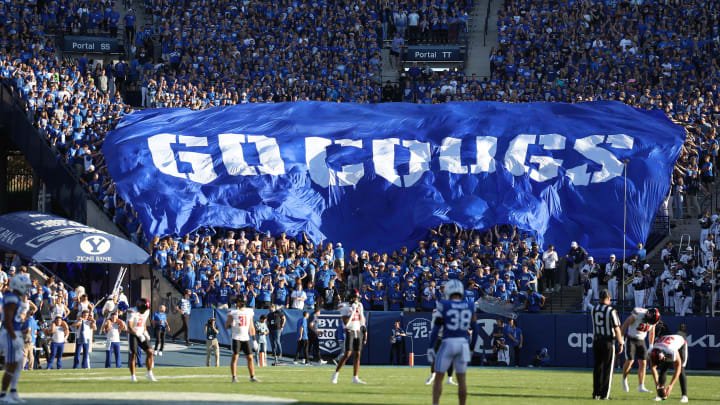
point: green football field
(311, 385)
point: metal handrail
(11, 98)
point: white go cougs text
(595, 148)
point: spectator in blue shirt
(281, 295)
(410, 297)
(161, 327)
(535, 301)
(302, 338)
(514, 339)
(129, 26)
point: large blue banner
(377, 176)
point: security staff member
(606, 328)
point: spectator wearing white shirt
(666, 279)
(625, 44)
(550, 259)
(612, 272)
(298, 297)
(110, 306)
(122, 297)
(413, 20)
(708, 248)
(3, 276)
(592, 271)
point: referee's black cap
(604, 293)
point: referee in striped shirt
(606, 330)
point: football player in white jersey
(353, 319)
(240, 320)
(640, 324)
(11, 340)
(432, 354)
(138, 336)
(669, 351)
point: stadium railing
(58, 177)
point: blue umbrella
(49, 238)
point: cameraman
(542, 358)
(211, 342)
(502, 352)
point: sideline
(152, 398)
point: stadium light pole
(622, 279)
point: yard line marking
(153, 398)
(127, 377)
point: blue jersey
(457, 318)
(17, 322)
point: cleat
(684, 399)
(334, 378)
(295, 362)
(430, 379)
(626, 387)
(450, 381)
(133, 378)
(357, 380)
(16, 398)
(323, 361)
(642, 389)
(7, 399)
(234, 379)
(254, 379)
(160, 353)
(658, 399)
(149, 375)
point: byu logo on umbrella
(95, 245)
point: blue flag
(378, 176)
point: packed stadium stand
(201, 54)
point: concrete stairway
(479, 45)
(569, 299)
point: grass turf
(386, 385)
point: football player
(353, 319)
(637, 326)
(11, 340)
(432, 353)
(455, 316)
(669, 351)
(240, 320)
(138, 336)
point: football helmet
(353, 295)
(656, 356)
(20, 283)
(142, 305)
(452, 287)
(652, 316)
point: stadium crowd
(221, 53)
(213, 269)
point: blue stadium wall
(568, 337)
